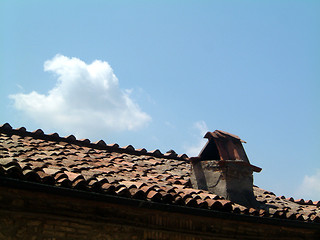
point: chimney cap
(219, 134)
(224, 147)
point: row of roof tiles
(101, 144)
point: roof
(66, 162)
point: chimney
(223, 168)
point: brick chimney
(223, 168)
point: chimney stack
(223, 168)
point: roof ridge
(100, 144)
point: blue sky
(159, 74)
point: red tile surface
(127, 172)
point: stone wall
(46, 216)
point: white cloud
(310, 187)
(86, 98)
(194, 149)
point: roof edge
(25, 185)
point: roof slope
(66, 162)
